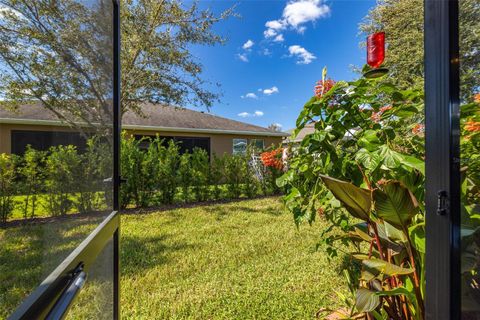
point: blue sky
(275, 53)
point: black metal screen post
(116, 154)
(442, 160)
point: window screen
(239, 146)
(43, 140)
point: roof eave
(148, 128)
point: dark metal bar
(63, 304)
(117, 128)
(41, 301)
(442, 160)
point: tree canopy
(59, 53)
(402, 22)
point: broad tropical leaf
(366, 300)
(356, 200)
(395, 204)
(380, 267)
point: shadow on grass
(30, 252)
(142, 253)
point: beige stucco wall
(219, 143)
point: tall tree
(402, 21)
(59, 53)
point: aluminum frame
(442, 138)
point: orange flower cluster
(376, 116)
(418, 129)
(476, 98)
(472, 126)
(323, 86)
(273, 158)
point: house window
(43, 140)
(239, 146)
(258, 144)
(185, 144)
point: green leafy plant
(200, 164)
(362, 170)
(60, 166)
(7, 189)
(30, 184)
(234, 174)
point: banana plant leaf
(366, 300)
(395, 204)
(357, 201)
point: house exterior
(33, 124)
(295, 141)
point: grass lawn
(242, 260)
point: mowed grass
(241, 260)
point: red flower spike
(376, 49)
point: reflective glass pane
(55, 138)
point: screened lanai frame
(54, 296)
(442, 179)
(442, 160)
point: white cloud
(270, 33)
(279, 38)
(304, 56)
(275, 25)
(271, 91)
(242, 56)
(250, 95)
(303, 11)
(248, 45)
(257, 113)
(295, 14)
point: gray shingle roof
(156, 116)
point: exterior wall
(219, 143)
(6, 130)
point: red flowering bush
(273, 159)
(323, 86)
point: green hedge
(63, 181)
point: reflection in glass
(56, 132)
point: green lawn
(242, 260)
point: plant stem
(377, 240)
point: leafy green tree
(57, 52)
(31, 180)
(402, 22)
(60, 178)
(7, 187)
(185, 175)
(200, 165)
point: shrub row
(161, 175)
(62, 180)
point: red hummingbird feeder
(376, 55)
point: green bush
(234, 173)
(185, 176)
(168, 164)
(89, 179)
(216, 176)
(30, 182)
(60, 178)
(131, 160)
(200, 167)
(7, 188)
